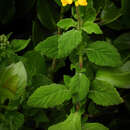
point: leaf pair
(55, 94)
(89, 26)
(60, 46)
(100, 52)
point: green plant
(99, 62)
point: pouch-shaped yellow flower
(65, 2)
(69, 1)
(77, 3)
(81, 3)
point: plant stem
(80, 56)
(53, 64)
(78, 27)
(80, 61)
(78, 16)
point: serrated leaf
(91, 27)
(73, 122)
(79, 85)
(103, 93)
(94, 126)
(68, 42)
(66, 23)
(14, 78)
(19, 45)
(103, 54)
(49, 47)
(118, 77)
(49, 96)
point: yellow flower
(65, 2)
(81, 3)
(69, 1)
(77, 3)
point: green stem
(80, 56)
(78, 27)
(53, 64)
(78, 16)
(80, 61)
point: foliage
(72, 71)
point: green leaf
(66, 23)
(119, 77)
(49, 47)
(103, 93)
(67, 80)
(110, 13)
(91, 27)
(79, 86)
(13, 120)
(90, 15)
(19, 45)
(94, 126)
(14, 78)
(68, 42)
(49, 96)
(123, 41)
(103, 54)
(40, 80)
(34, 63)
(73, 122)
